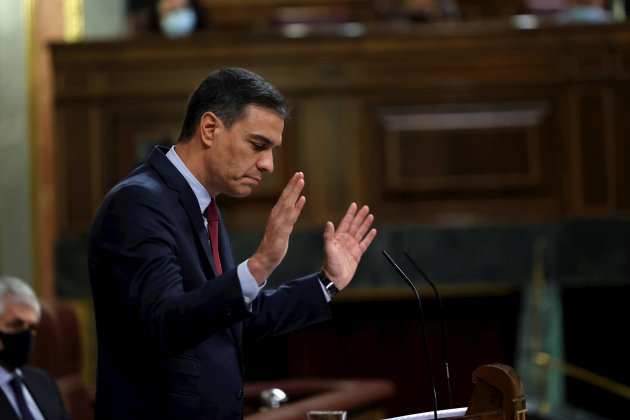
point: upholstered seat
(59, 350)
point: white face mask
(178, 23)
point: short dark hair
(227, 92)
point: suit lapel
(189, 202)
(225, 246)
(176, 181)
(227, 262)
(6, 409)
(38, 394)
(191, 205)
(41, 393)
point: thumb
(329, 231)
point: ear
(208, 127)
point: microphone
(427, 357)
(443, 329)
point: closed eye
(17, 325)
(261, 143)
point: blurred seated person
(585, 11)
(420, 11)
(172, 18)
(26, 392)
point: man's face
(17, 318)
(239, 157)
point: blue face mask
(588, 14)
(178, 23)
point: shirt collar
(203, 197)
(6, 376)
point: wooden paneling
(469, 147)
(622, 149)
(433, 122)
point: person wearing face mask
(26, 392)
(171, 18)
(585, 11)
(178, 18)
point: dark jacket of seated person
(26, 393)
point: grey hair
(19, 292)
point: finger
(363, 228)
(346, 221)
(354, 224)
(299, 205)
(290, 213)
(329, 231)
(367, 240)
(296, 185)
(292, 190)
(358, 226)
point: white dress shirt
(5, 379)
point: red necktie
(212, 214)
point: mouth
(254, 179)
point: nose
(265, 163)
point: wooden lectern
(498, 395)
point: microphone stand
(424, 331)
(444, 348)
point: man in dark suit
(26, 393)
(172, 308)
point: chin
(241, 193)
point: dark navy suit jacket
(169, 330)
(44, 391)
